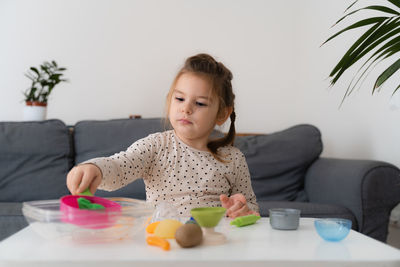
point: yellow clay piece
(159, 242)
(167, 228)
(151, 227)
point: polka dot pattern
(178, 174)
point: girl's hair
(219, 78)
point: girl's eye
(201, 104)
(180, 99)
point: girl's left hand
(236, 205)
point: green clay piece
(245, 220)
(86, 193)
(84, 203)
(96, 206)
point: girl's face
(193, 110)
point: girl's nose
(187, 109)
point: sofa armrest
(370, 189)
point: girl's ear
(221, 119)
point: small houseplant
(378, 43)
(43, 81)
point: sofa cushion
(35, 158)
(11, 219)
(105, 138)
(278, 161)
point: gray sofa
(286, 170)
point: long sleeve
(243, 182)
(124, 167)
(175, 173)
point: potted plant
(43, 81)
(376, 45)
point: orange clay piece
(158, 241)
(152, 227)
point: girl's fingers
(87, 179)
(224, 201)
(244, 210)
(239, 197)
(74, 178)
(237, 206)
(95, 183)
(82, 177)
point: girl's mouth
(185, 121)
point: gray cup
(284, 219)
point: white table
(255, 245)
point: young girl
(183, 166)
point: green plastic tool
(245, 220)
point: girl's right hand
(236, 205)
(82, 177)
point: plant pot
(35, 111)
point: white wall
(122, 55)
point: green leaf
(395, 2)
(392, 42)
(350, 6)
(55, 76)
(395, 90)
(346, 60)
(45, 68)
(378, 8)
(358, 24)
(373, 40)
(394, 48)
(35, 70)
(42, 85)
(381, 35)
(387, 74)
(386, 50)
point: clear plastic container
(46, 219)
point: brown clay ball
(188, 235)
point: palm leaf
(395, 2)
(382, 51)
(350, 6)
(372, 34)
(351, 56)
(361, 23)
(387, 52)
(382, 39)
(382, 35)
(352, 48)
(387, 74)
(378, 8)
(395, 90)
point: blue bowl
(332, 229)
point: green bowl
(208, 216)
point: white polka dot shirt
(178, 174)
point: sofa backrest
(35, 158)
(278, 161)
(105, 138)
